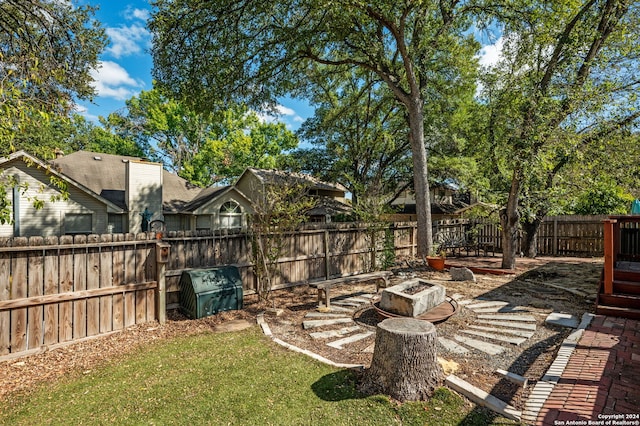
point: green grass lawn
(237, 378)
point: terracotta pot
(436, 262)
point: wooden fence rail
(56, 290)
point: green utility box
(205, 292)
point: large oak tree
(568, 79)
(254, 51)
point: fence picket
(19, 267)
(80, 262)
(118, 279)
(5, 294)
(65, 309)
(106, 280)
(35, 277)
(129, 277)
(52, 276)
(93, 282)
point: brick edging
(543, 388)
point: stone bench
(324, 286)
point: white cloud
(113, 81)
(84, 111)
(141, 14)
(127, 41)
(491, 53)
(289, 113)
(283, 110)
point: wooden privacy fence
(572, 236)
(314, 253)
(55, 290)
(557, 236)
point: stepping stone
(563, 320)
(357, 300)
(338, 344)
(234, 325)
(508, 317)
(321, 323)
(512, 324)
(521, 333)
(341, 309)
(485, 347)
(501, 309)
(487, 304)
(325, 315)
(452, 346)
(502, 338)
(334, 333)
(367, 295)
(345, 303)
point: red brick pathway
(602, 377)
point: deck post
(608, 255)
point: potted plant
(436, 259)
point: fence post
(326, 254)
(608, 255)
(162, 257)
(555, 236)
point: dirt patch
(540, 286)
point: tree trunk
(510, 222)
(530, 230)
(420, 178)
(404, 364)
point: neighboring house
(82, 211)
(131, 183)
(447, 202)
(115, 194)
(217, 208)
(330, 198)
(138, 185)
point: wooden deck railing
(621, 243)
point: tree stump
(404, 364)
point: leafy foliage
(360, 132)
(279, 209)
(47, 49)
(202, 147)
(254, 51)
(566, 80)
(604, 197)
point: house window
(203, 223)
(77, 223)
(230, 215)
(115, 223)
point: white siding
(49, 220)
(144, 190)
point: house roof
(329, 206)
(209, 194)
(276, 176)
(105, 174)
(30, 160)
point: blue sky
(125, 66)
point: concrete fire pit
(402, 299)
